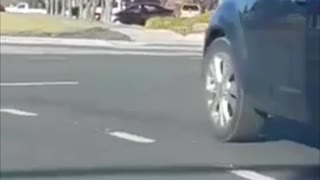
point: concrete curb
(161, 36)
(198, 36)
(86, 42)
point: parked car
(128, 3)
(261, 59)
(140, 13)
(23, 7)
(188, 10)
(2, 9)
(146, 1)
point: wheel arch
(213, 33)
(226, 22)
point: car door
(130, 15)
(275, 31)
(151, 10)
(161, 11)
(146, 12)
(313, 59)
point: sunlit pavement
(130, 117)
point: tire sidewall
(223, 45)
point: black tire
(245, 123)
(116, 20)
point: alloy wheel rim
(221, 90)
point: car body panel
(275, 34)
(277, 62)
(313, 59)
(24, 8)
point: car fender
(226, 21)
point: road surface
(85, 113)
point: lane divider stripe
(17, 112)
(39, 83)
(129, 137)
(251, 175)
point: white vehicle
(23, 7)
(189, 10)
(117, 6)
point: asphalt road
(116, 116)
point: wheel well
(214, 34)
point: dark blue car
(261, 59)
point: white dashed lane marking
(251, 175)
(17, 112)
(129, 137)
(245, 174)
(55, 83)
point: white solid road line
(17, 112)
(129, 137)
(251, 175)
(57, 83)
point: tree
(51, 7)
(163, 2)
(209, 5)
(86, 11)
(81, 9)
(102, 5)
(63, 7)
(93, 10)
(107, 11)
(69, 8)
(56, 7)
(47, 6)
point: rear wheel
(229, 108)
(116, 21)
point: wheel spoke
(210, 79)
(210, 84)
(230, 105)
(211, 69)
(231, 88)
(225, 110)
(213, 105)
(221, 113)
(218, 68)
(227, 72)
(214, 110)
(222, 90)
